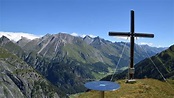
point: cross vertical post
(131, 34)
(132, 46)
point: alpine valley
(57, 65)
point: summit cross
(131, 34)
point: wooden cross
(131, 34)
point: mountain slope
(19, 80)
(164, 61)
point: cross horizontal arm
(129, 34)
(119, 34)
(143, 35)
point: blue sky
(90, 17)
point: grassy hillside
(143, 88)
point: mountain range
(68, 61)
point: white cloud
(83, 35)
(144, 43)
(122, 38)
(15, 36)
(125, 38)
(93, 36)
(74, 34)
